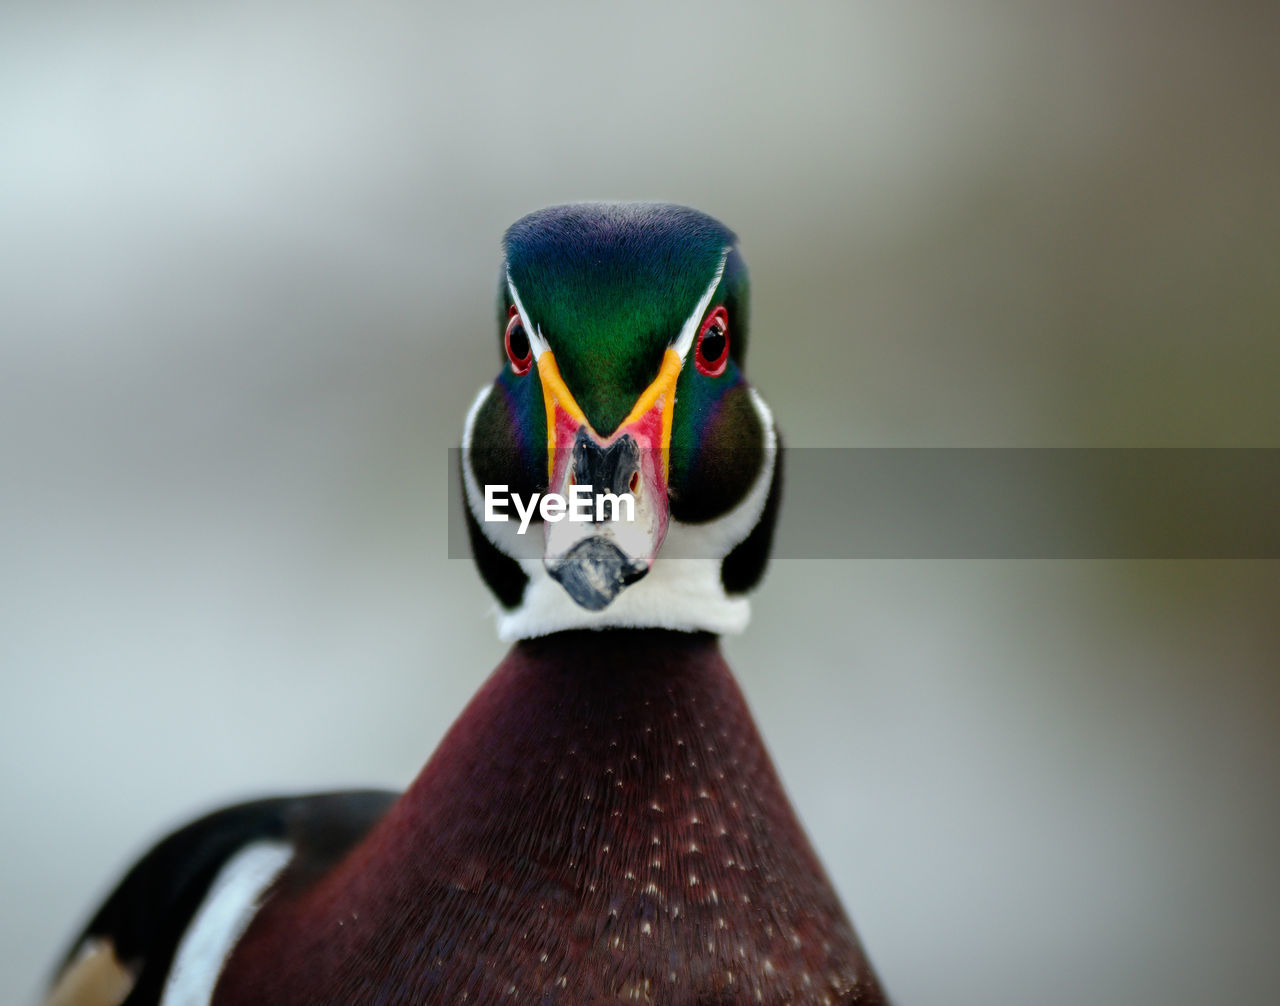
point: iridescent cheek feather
(515, 399)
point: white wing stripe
(220, 922)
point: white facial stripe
(684, 343)
(536, 340)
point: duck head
(623, 333)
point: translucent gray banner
(1013, 503)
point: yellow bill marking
(556, 394)
(661, 393)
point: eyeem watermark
(583, 504)
(986, 503)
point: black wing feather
(148, 912)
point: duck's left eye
(519, 352)
(712, 353)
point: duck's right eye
(519, 352)
(712, 353)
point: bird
(602, 823)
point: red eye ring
(712, 352)
(516, 341)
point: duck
(602, 823)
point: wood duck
(602, 823)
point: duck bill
(614, 487)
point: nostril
(634, 484)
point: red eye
(519, 352)
(712, 354)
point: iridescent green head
(623, 328)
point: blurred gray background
(247, 262)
